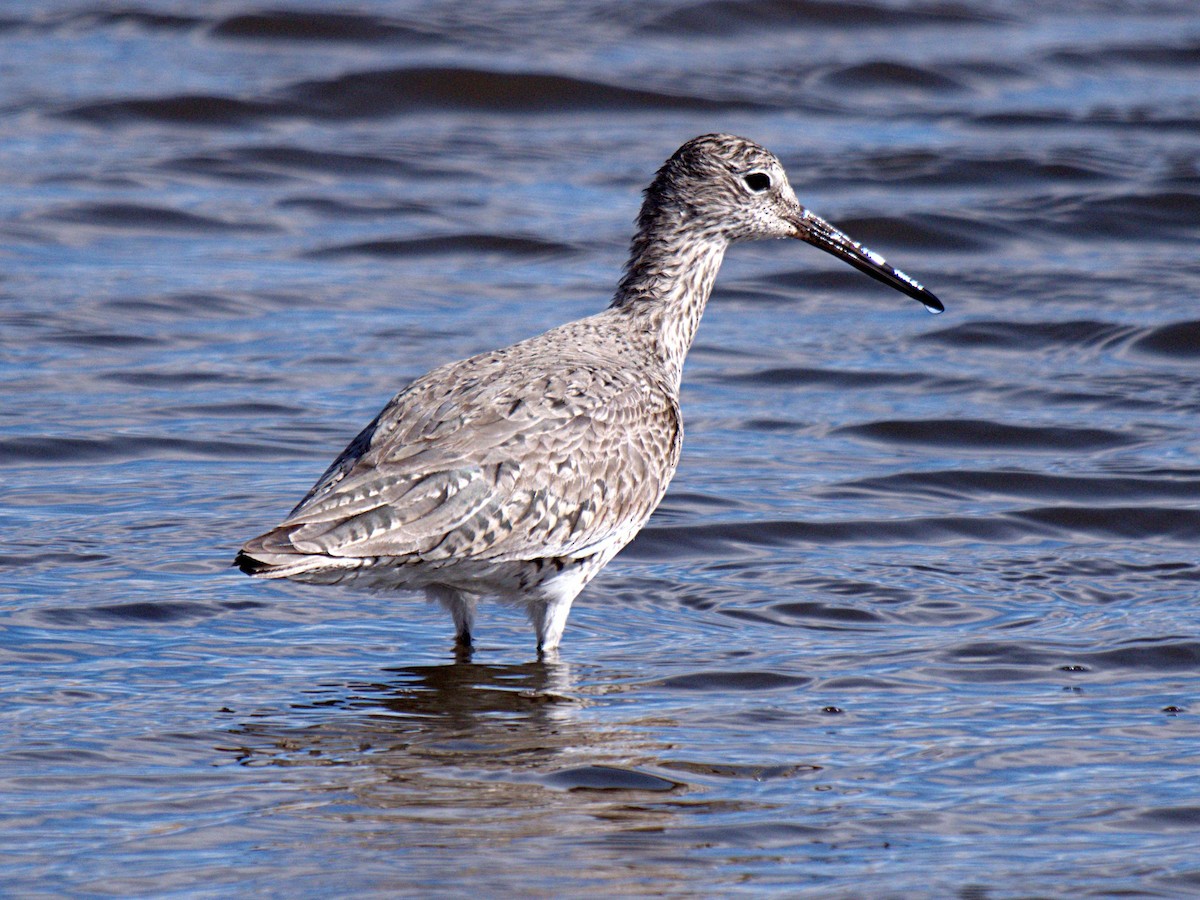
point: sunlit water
(919, 613)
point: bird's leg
(461, 606)
(549, 612)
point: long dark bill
(820, 233)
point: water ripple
(315, 26)
(392, 91)
(451, 244)
(726, 16)
(989, 435)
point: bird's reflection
(469, 754)
(464, 713)
(468, 694)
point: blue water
(918, 616)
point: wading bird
(519, 473)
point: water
(918, 616)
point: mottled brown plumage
(521, 472)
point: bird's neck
(666, 285)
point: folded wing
(466, 465)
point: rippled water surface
(919, 614)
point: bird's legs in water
(461, 606)
(548, 611)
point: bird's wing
(465, 463)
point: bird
(519, 473)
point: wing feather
(495, 459)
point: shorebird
(519, 473)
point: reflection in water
(452, 724)
(437, 754)
(431, 711)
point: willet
(519, 473)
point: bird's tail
(256, 567)
(272, 555)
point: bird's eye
(757, 181)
